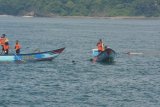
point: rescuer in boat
(3, 41)
(6, 48)
(100, 46)
(17, 47)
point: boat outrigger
(39, 56)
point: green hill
(102, 8)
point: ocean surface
(131, 81)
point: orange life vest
(6, 47)
(2, 41)
(100, 46)
(17, 46)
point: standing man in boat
(3, 40)
(100, 45)
(17, 47)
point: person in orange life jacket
(17, 47)
(3, 40)
(100, 46)
(6, 48)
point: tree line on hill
(101, 8)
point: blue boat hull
(106, 56)
(40, 56)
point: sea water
(132, 81)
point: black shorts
(17, 51)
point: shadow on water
(107, 63)
(110, 62)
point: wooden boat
(107, 55)
(39, 56)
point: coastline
(88, 17)
(115, 17)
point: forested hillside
(103, 8)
